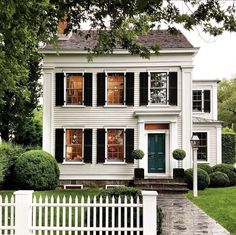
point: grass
(220, 204)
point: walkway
(182, 217)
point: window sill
(115, 163)
(201, 161)
(73, 163)
(160, 105)
(115, 106)
(73, 106)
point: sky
(216, 58)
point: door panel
(156, 153)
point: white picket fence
(23, 214)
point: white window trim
(65, 87)
(107, 162)
(149, 89)
(124, 100)
(199, 131)
(203, 108)
(67, 162)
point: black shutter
(101, 89)
(88, 138)
(59, 89)
(207, 101)
(129, 145)
(143, 96)
(129, 89)
(173, 88)
(88, 89)
(59, 145)
(101, 145)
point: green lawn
(220, 204)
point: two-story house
(96, 113)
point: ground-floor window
(115, 145)
(202, 149)
(74, 144)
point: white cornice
(146, 112)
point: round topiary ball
(203, 178)
(138, 154)
(179, 154)
(219, 179)
(205, 167)
(229, 170)
(37, 170)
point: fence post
(149, 212)
(23, 212)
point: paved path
(182, 217)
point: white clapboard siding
(7, 215)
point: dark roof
(200, 120)
(163, 38)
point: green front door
(156, 153)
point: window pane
(197, 101)
(115, 89)
(158, 89)
(74, 90)
(115, 140)
(74, 145)
(202, 149)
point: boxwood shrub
(219, 179)
(228, 148)
(229, 170)
(202, 177)
(8, 155)
(37, 170)
(179, 154)
(205, 167)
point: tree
(227, 102)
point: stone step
(166, 190)
(160, 183)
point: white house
(96, 113)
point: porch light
(195, 144)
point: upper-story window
(74, 89)
(74, 145)
(201, 101)
(115, 88)
(158, 88)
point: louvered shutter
(173, 88)
(207, 101)
(59, 145)
(88, 86)
(129, 89)
(59, 89)
(101, 79)
(129, 145)
(101, 139)
(143, 92)
(88, 145)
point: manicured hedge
(228, 148)
(205, 167)
(219, 179)
(203, 178)
(37, 170)
(179, 154)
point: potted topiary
(138, 154)
(179, 155)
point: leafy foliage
(37, 170)
(203, 179)
(229, 148)
(138, 154)
(205, 167)
(179, 154)
(219, 179)
(229, 170)
(227, 102)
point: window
(201, 101)
(74, 89)
(74, 144)
(115, 145)
(202, 149)
(115, 88)
(158, 88)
